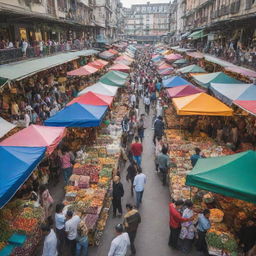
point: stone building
(147, 22)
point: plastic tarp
(5, 127)
(23, 69)
(242, 71)
(114, 78)
(184, 90)
(228, 92)
(100, 88)
(175, 81)
(247, 105)
(201, 104)
(217, 61)
(16, 165)
(173, 56)
(36, 136)
(78, 115)
(83, 71)
(191, 69)
(106, 55)
(218, 77)
(120, 67)
(233, 176)
(180, 62)
(91, 98)
(123, 62)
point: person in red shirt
(175, 222)
(136, 149)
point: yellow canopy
(201, 104)
(167, 52)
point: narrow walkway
(153, 232)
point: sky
(128, 3)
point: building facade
(147, 21)
(36, 20)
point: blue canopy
(248, 94)
(78, 115)
(157, 58)
(175, 81)
(16, 165)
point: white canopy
(5, 127)
(101, 89)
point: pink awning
(83, 71)
(37, 136)
(243, 71)
(165, 66)
(98, 64)
(113, 51)
(120, 67)
(247, 105)
(173, 56)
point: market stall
(175, 81)
(183, 90)
(191, 69)
(120, 67)
(114, 78)
(83, 71)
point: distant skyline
(128, 3)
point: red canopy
(183, 90)
(91, 98)
(98, 64)
(120, 67)
(173, 56)
(247, 105)
(113, 51)
(37, 136)
(83, 71)
(164, 66)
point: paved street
(153, 232)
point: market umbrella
(16, 165)
(175, 81)
(164, 66)
(229, 92)
(5, 127)
(91, 98)
(100, 88)
(36, 136)
(83, 71)
(191, 69)
(184, 90)
(218, 77)
(120, 67)
(98, 64)
(78, 115)
(201, 104)
(180, 62)
(165, 72)
(173, 57)
(114, 78)
(233, 176)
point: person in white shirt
(71, 231)
(133, 100)
(138, 184)
(120, 243)
(60, 227)
(50, 241)
(27, 119)
(147, 103)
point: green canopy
(191, 69)
(233, 175)
(218, 77)
(180, 62)
(197, 35)
(114, 78)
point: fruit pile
(27, 225)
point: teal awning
(197, 35)
(18, 71)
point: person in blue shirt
(195, 157)
(202, 227)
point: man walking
(120, 243)
(132, 220)
(50, 241)
(137, 149)
(159, 128)
(118, 193)
(138, 184)
(147, 103)
(164, 164)
(131, 173)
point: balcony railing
(15, 54)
